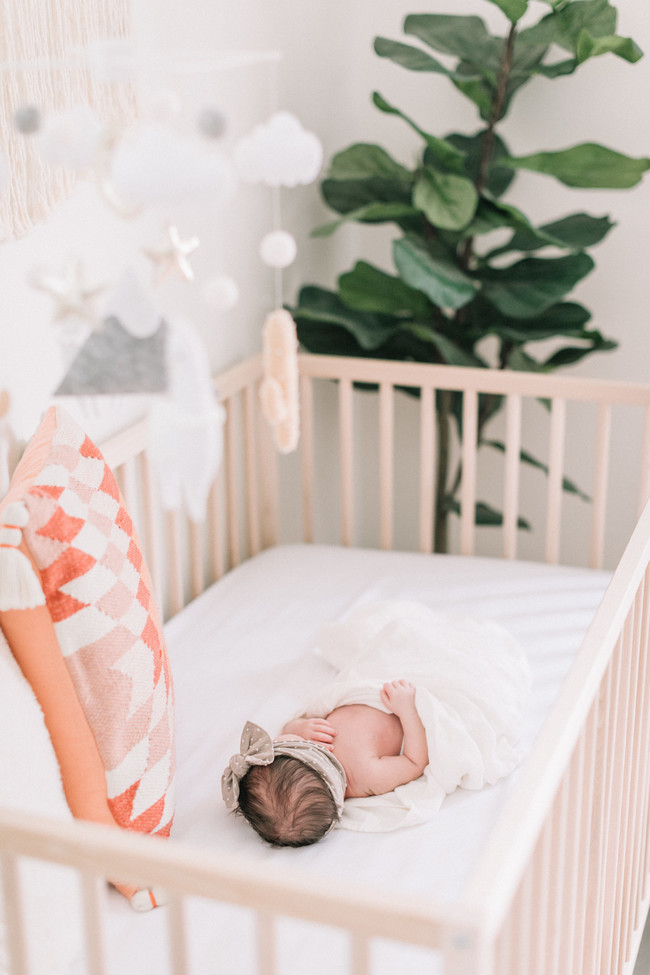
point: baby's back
(364, 733)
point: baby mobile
(131, 347)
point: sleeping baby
(373, 752)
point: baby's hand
(313, 729)
(398, 696)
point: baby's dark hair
(287, 803)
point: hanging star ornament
(73, 295)
(171, 255)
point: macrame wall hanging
(40, 44)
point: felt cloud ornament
(279, 153)
(154, 164)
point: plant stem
(488, 142)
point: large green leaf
(499, 177)
(585, 165)
(407, 56)
(591, 47)
(451, 352)
(432, 273)
(493, 214)
(485, 514)
(513, 9)
(400, 213)
(365, 160)
(528, 287)
(320, 307)
(444, 153)
(564, 26)
(574, 232)
(447, 200)
(570, 354)
(464, 37)
(368, 288)
(365, 174)
(563, 318)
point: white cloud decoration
(70, 138)
(279, 153)
(155, 164)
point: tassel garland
(20, 587)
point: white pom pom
(70, 138)
(278, 249)
(221, 293)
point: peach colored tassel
(20, 587)
(279, 389)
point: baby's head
(289, 790)
(287, 803)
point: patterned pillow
(112, 700)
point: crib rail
(366, 471)
(184, 871)
(569, 865)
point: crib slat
(346, 451)
(427, 466)
(177, 932)
(599, 503)
(560, 880)
(250, 446)
(232, 492)
(617, 788)
(643, 787)
(644, 473)
(635, 731)
(588, 749)
(307, 457)
(175, 595)
(15, 933)
(269, 485)
(149, 521)
(196, 537)
(266, 944)
(359, 955)
(386, 463)
(601, 796)
(512, 467)
(555, 471)
(468, 485)
(217, 563)
(93, 892)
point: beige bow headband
(257, 748)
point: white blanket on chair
(472, 681)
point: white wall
(326, 76)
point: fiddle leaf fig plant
(452, 285)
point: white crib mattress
(244, 650)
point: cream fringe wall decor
(41, 64)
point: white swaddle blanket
(472, 680)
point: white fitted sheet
(244, 650)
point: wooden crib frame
(562, 887)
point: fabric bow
(255, 748)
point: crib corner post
(467, 948)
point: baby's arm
(313, 729)
(389, 771)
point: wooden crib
(563, 884)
